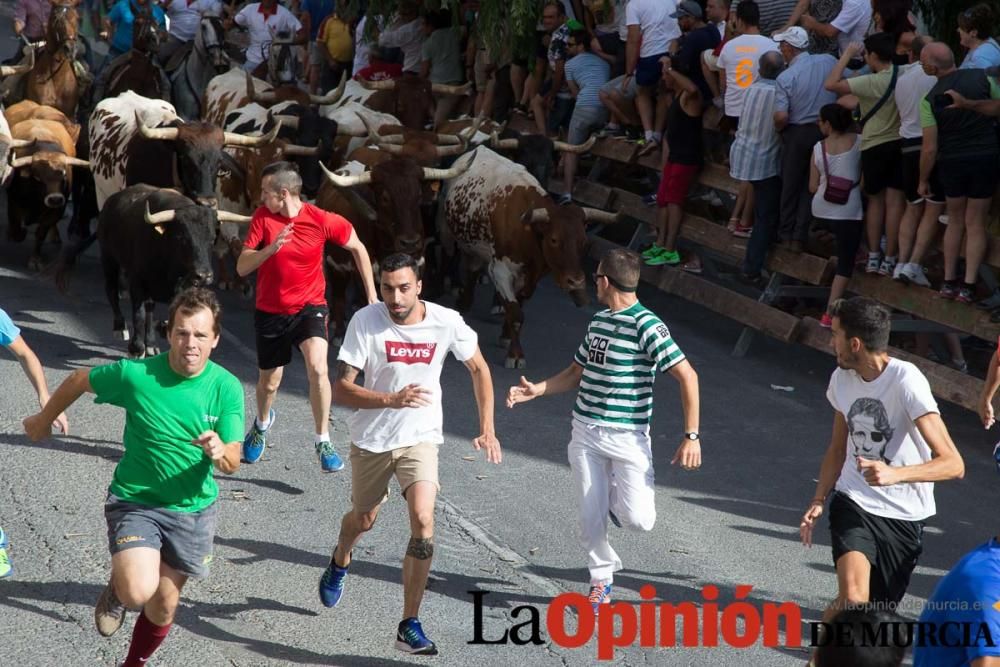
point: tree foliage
(941, 18)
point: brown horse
(138, 70)
(53, 81)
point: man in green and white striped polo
(610, 452)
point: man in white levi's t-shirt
(889, 446)
(400, 345)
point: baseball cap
(687, 8)
(573, 24)
(795, 36)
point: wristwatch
(691, 435)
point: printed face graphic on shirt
(598, 349)
(409, 353)
(869, 429)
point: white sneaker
(873, 263)
(888, 266)
(898, 270)
(914, 274)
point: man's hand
(628, 77)
(959, 101)
(489, 442)
(688, 454)
(283, 237)
(852, 50)
(878, 473)
(37, 427)
(924, 189)
(522, 393)
(411, 396)
(211, 444)
(814, 512)
(986, 413)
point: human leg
(976, 211)
(767, 200)
(953, 235)
(420, 498)
(6, 569)
(156, 617)
(591, 476)
(848, 234)
(314, 353)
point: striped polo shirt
(620, 357)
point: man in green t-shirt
(183, 420)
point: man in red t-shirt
(285, 246)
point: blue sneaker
(256, 440)
(410, 638)
(6, 569)
(329, 460)
(331, 584)
(599, 594)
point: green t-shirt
(164, 412)
(883, 127)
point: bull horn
(360, 204)
(597, 215)
(346, 131)
(22, 161)
(377, 138)
(13, 70)
(334, 95)
(387, 84)
(445, 89)
(159, 217)
(161, 133)
(288, 121)
(501, 144)
(444, 174)
(392, 149)
(470, 131)
(448, 151)
(346, 181)
(452, 139)
(22, 143)
(77, 162)
(260, 97)
(575, 148)
(229, 216)
(535, 215)
(301, 151)
(235, 139)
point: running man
(396, 428)
(888, 447)
(291, 299)
(10, 338)
(183, 421)
(610, 451)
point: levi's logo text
(570, 622)
(409, 353)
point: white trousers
(613, 469)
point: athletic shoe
(329, 460)
(742, 232)
(826, 321)
(654, 250)
(991, 302)
(599, 594)
(914, 274)
(948, 290)
(888, 266)
(648, 147)
(873, 263)
(564, 199)
(256, 440)
(649, 200)
(331, 584)
(898, 271)
(6, 569)
(410, 638)
(668, 257)
(608, 131)
(109, 614)
(965, 294)
(614, 519)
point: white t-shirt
(185, 18)
(853, 20)
(262, 30)
(393, 356)
(881, 417)
(912, 86)
(845, 165)
(655, 24)
(740, 58)
(360, 47)
(406, 36)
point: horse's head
(146, 32)
(282, 63)
(210, 44)
(61, 31)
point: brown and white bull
(504, 223)
(233, 90)
(409, 98)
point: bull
(534, 151)
(409, 98)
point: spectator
(585, 74)
(683, 163)
(755, 158)
(441, 62)
(312, 14)
(553, 104)
(650, 31)
(263, 20)
(962, 144)
(618, 95)
(121, 17)
(379, 67)
(407, 34)
(716, 11)
(848, 27)
(823, 11)
(605, 19)
(335, 48)
(975, 30)
(837, 159)
(849, 646)
(185, 20)
(880, 144)
(361, 47)
(799, 97)
(773, 14)
(920, 219)
(31, 18)
(894, 17)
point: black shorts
(892, 546)
(648, 70)
(880, 167)
(278, 334)
(973, 177)
(910, 168)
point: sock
(890, 259)
(649, 135)
(613, 126)
(262, 425)
(321, 437)
(657, 136)
(146, 638)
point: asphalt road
(507, 529)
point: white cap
(795, 36)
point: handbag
(838, 188)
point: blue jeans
(766, 207)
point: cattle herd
(163, 170)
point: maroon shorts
(675, 183)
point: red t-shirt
(293, 277)
(380, 72)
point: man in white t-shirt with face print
(400, 345)
(889, 446)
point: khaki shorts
(371, 472)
